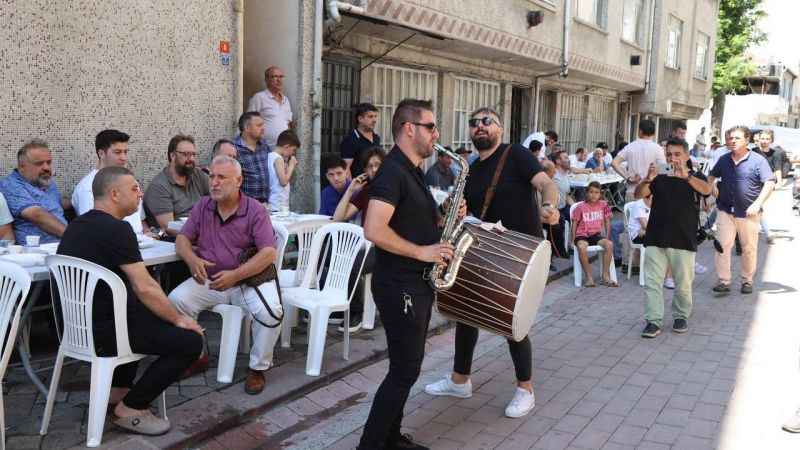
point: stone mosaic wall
(151, 68)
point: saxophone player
(500, 188)
(403, 223)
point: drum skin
(500, 283)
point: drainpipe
(564, 72)
(316, 98)
(650, 44)
(335, 7)
(238, 101)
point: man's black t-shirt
(776, 158)
(674, 215)
(513, 202)
(100, 238)
(402, 185)
(353, 146)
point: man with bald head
(155, 327)
(220, 227)
(273, 106)
(32, 195)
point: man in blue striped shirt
(253, 155)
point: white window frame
(594, 12)
(637, 25)
(388, 85)
(470, 94)
(701, 59)
(674, 36)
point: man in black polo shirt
(513, 204)
(671, 237)
(155, 327)
(361, 138)
(403, 223)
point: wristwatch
(547, 205)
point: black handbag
(270, 273)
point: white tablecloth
(584, 180)
(156, 252)
(284, 220)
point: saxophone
(443, 276)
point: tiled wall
(151, 68)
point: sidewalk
(728, 383)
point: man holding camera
(671, 236)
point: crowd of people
(227, 206)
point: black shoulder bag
(270, 273)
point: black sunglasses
(430, 126)
(486, 121)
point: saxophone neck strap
(487, 200)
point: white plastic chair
(15, 283)
(304, 230)
(344, 242)
(576, 262)
(368, 318)
(76, 280)
(627, 212)
(232, 316)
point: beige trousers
(727, 228)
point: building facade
(587, 69)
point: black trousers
(467, 338)
(175, 347)
(405, 336)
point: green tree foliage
(737, 30)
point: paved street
(729, 383)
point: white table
(584, 180)
(284, 220)
(155, 253)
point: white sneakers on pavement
(793, 424)
(669, 283)
(445, 386)
(522, 403)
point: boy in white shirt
(282, 163)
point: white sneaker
(522, 403)
(669, 283)
(793, 424)
(445, 386)
(699, 268)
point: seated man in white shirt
(111, 147)
(577, 162)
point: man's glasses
(486, 121)
(187, 155)
(430, 126)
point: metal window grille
(572, 123)
(469, 95)
(339, 93)
(388, 85)
(547, 111)
(600, 120)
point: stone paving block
(676, 417)
(583, 383)
(487, 414)
(606, 422)
(504, 426)
(693, 443)
(663, 434)
(619, 406)
(691, 388)
(708, 411)
(702, 428)
(464, 431)
(483, 441)
(652, 402)
(615, 446)
(419, 418)
(304, 407)
(440, 403)
(642, 417)
(554, 440)
(536, 425)
(587, 408)
(715, 397)
(682, 401)
(445, 444)
(628, 434)
(517, 441)
(453, 415)
(479, 399)
(591, 438)
(572, 423)
(649, 445)
(555, 410)
(431, 432)
(555, 383)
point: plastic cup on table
(32, 241)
